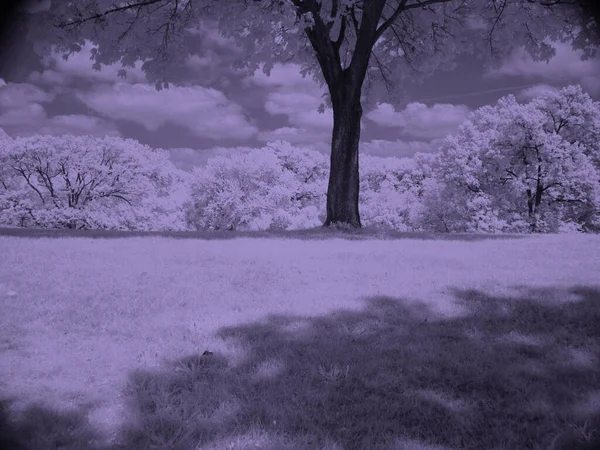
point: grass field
(318, 340)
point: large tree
(361, 50)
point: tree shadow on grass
(317, 233)
(39, 428)
(513, 373)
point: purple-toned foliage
(511, 167)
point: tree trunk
(532, 211)
(535, 201)
(345, 86)
(343, 188)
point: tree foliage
(362, 50)
(399, 37)
(85, 182)
(511, 167)
(527, 166)
(277, 187)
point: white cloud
(419, 120)
(301, 108)
(32, 120)
(31, 114)
(298, 98)
(199, 62)
(294, 96)
(566, 67)
(79, 65)
(22, 113)
(385, 115)
(2, 82)
(48, 77)
(399, 148)
(205, 112)
(290, 102)
(17, 95)
(211, 35)
(283, 75)
(535, 91)
(78, 124)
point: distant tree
(310, 169)
(524, 165)
(84, 182)
(360, 49)
(266, 189)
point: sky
(52, 96)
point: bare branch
(131, 23)
(388, 22)
(421, 4)
(490, 36)
(388, 84)
(354, 19)
(106, 13)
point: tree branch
(388, 22)
(107, 12)
(318, 35)
(337, 44)
(421, 4)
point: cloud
(21, 111)
(48, 77)
(205, 112)
(196, 62)
(32, 119)
(298, 98)
(30, 114)
(565, 67)
(78, 125)
(283, 75)
(210, 35)
(301, 108)
(399, 148)
(2, 82)
(535, 91)
(17, 95)
(79, 65)
(419, 120)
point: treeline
(511, 167)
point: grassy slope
(452, 344)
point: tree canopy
(511, 167)
(387, 41)
(362, 50)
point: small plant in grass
(334, 373)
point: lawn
(306, 340)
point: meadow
(298, 340)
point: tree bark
(343, 189)
(345, 87)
